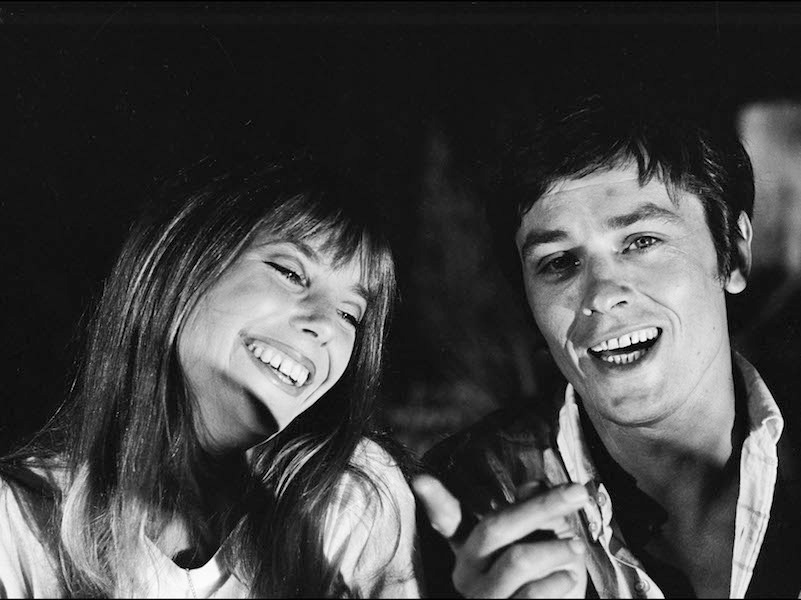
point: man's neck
(694, 446)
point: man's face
(624, 285)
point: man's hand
(494, 561)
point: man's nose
(606, 287)
(315, 317)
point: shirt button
(593, 527)
(642, 586)
(601, 499)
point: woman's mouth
(286, 368)
(627, 348)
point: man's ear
(742, 266)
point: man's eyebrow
(537, 237)
(648, 210)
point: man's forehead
(613, 199)
(617, 178)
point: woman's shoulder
(372, 453)
(31, 489)
(29, 494)
(373, 492)
(372, 524)
(382, 467)
(43, 476)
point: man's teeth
(642, 335)
(624, 359)
(288, 369)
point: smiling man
(659, 466)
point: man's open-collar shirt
(613, 568)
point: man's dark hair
(685, 149)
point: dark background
(97, 100)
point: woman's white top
(377, 534)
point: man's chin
(627, 408)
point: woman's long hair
(128, 435)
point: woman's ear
(741, 269)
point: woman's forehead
(325, 251)
(334, 248)
(324, 247)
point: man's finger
(516, 521)
(555, 585)
(442, 508)
(520, 564)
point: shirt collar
(764, 419)
(764, 416)
(586, 459)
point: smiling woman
(280, 323)
(218, 441)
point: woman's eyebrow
(298, 245)
(360, 290)
(360, 298)
(305, 249)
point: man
(658, 466)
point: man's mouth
(285, 368)
(627, 348)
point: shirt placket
(758, 469)
(614, 570)
(630, 577)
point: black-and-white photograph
(403, 299)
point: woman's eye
(350, 319)
(642, 242)
(559, 265)
(288, 273)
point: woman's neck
(207, 513)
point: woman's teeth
(287, 369)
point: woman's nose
(314, 317)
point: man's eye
(350, 319)
(642, 242)
(288, 273)
(560, 264)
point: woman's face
(271, 336)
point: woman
(217, 440)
